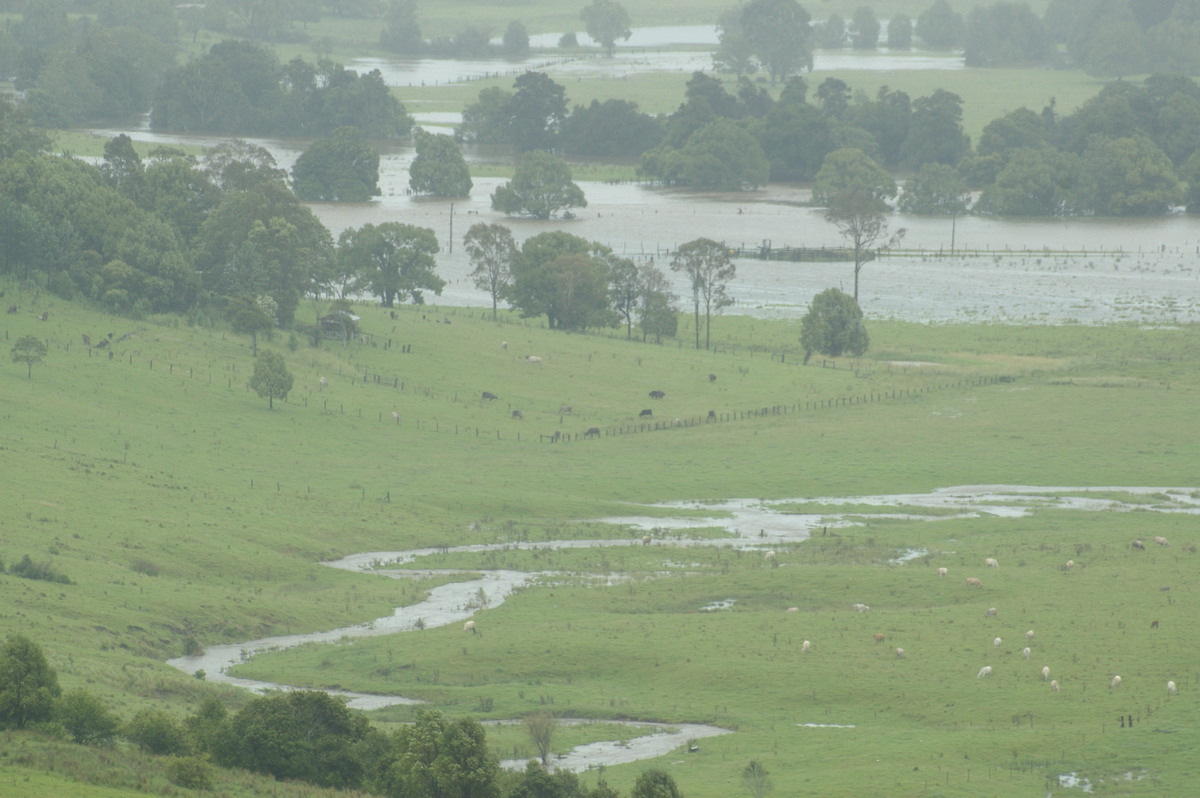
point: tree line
(306, 736)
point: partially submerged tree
(709, 269)
(833, 326)
(439, 169)
(29, 349)
(492, 250)
(541, 187)
(541, 727)
(342, 168)
(606, 21)
(271, 378)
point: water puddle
(748, 524)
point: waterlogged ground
(748, 523)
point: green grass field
(180, 506)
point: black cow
(647, 413)
(489, 395)
(593, 432)
(518, 415)
(712, 377)
(657, 395)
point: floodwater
(749, 523)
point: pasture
(182, 509)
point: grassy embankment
(179, 506)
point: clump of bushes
(28, 569)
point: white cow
(324, 383)
(1045, 672)
(1171, 688)
(1115, 683)
(806, 647)
(996, 643)
(534, 359)
(1054, 685)
(792, 609)
(899, 653)
(859, 607)
(974, 581)
(986, 670)
(469, 626)
(1069, 564)
(646, 540)
(991, 612)
(943, 571)
(1160, 540)
(770, 556)
(1029, 635)
(991, 562)
(1025, 652)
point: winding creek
(749, 524)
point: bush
(190, 772)
(28, 569)
(86, 719)
(156, 732)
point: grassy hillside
(180, 507)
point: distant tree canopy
(240, 88)
(439, 169)
(833, 326)
(528, 118)
(564, 278)
(1127, 37)
(1006, 34)
(606, 21)
(541, 187)
(342, 168)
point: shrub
(189, 772)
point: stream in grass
(749, 524)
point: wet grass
(180, 507)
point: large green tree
(541, 187)
(1127, 177)
(30, 350)
(779, 35)
(28, 685)
(534, 114)
(271, 380)
(940, 26)
(86, 719)
(852, 170)
(492, 250)
(564, 278)
(833, 326)
(393, 260)
(709, 270)
(1035, 182)
(606, 21)
(936, 189)
(655, 783)
(342, 168)
(439, 169)
(436, 757)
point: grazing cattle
(806, 647)
(1054, 685)
(657, 395)
(646, 540)
(1160, 540)
(899, 653)
(1025, 652)
(87, 340)
(712, 377)
(1154, 624)
(646, 413)
(792, 609)
(395, 417)
(469, 626)
(990, 612)
(592, 432)
(973, 581)
(986, 670)
(534, 359)
(1045, 672)
(859, 607)
(879, 638)
(996, 643)
(324, 383)
(943, 571)
(770, 556)
(1171, 688)
(504, 344)
(1138, 544)
(1029, 635)
(1068, 565)
(518, 415)
(991, 562)
(44, 315)
(1115, 683)
(677, 422)
(489, 395)
(712, 415)
(564, 410)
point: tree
(832, 326)
(861, 219)
(606, 21)
(392, 260)
(935, 133)
(247, 315)
(866, 29)
(436, 757)
(613, 128)
(492, 250)
(625, 289)
(657, 314)
(563, 277)
(940, 26)
(271, 378)
(1035, 182)
(779, 35)
(439, 169)
(709, 269)
(831, 35)
(756, 780)
(535, 112)
(344, 168)
(850, 169)
(1127, 177)
(723, 156)
(936, 189)
(29, 349)
(1005, 34)
(86, 719)
(541, 727)
(899, 33)
(28, 685)
(17, 131)
(516, 40)
(401, 33)
(541, 187)
(486, 120)
(655, 784)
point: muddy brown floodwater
(750, 524)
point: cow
(1045, 672)
(657, 395)
(712, 377)
(1154, 624)
(647, 413)
(12, 309)
(986, 670)
(990, 612)
(518, 415)
(1138, 544)
(712, 415)
(647, 540)
(534, 359)
(564, 410)
(488, 395)
(1161, 541)
(973, 581)
(859, 607)
(1025, 652)
(1115, 683)
(943, 571)
(806, 647)
(1054, 685)
(996, 643)
(469, 626)
(899, 653)
(991, 562)
(879, 638)
(1171, 688)
(593, 432)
